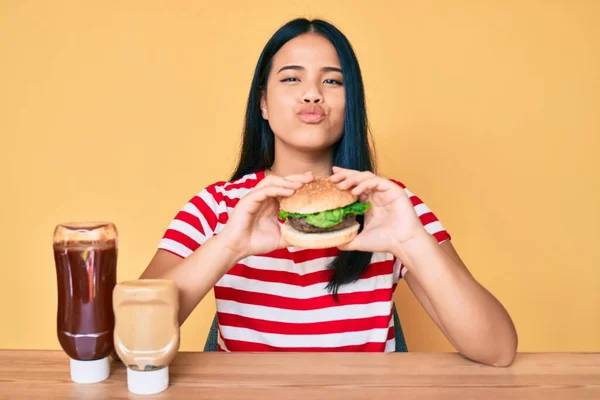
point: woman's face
(304, 100)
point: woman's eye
(326, 81)
(333, 82)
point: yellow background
(122, 110)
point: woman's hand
(391, 220)
(253, 227)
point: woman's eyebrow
(301, 68)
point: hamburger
(319, 215)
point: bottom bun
(323, 240)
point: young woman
(306, 117)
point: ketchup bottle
(85, 255)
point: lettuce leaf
(329, 218)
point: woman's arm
(195, 275)
(472, 319)
(252, 228)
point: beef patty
(301, 225)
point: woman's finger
(262, 194)
(354, 179)
(254, 200)
(337, 169)
(367, 186)
(340, 174)
(269, 181)
(282, 243)
(374, 184)
(354, 244)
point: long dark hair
(352, 151)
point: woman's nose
(313, 95)
(312, 99)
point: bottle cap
(147, 382)
(90, 371)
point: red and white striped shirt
(278, 301)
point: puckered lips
(311, 114)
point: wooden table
(258, 376)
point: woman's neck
(291, 162)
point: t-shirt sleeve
(193, 225)
(430, 222)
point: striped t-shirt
(278, 301)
